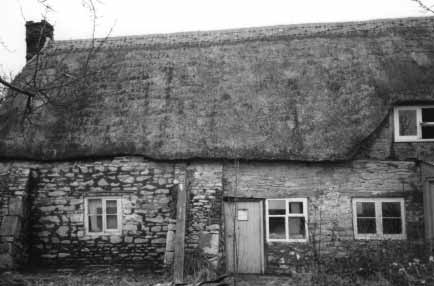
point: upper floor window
(414, 123)
(379, 218)
(287, 220)
(103, 215)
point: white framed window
(379, 218)
(414, 123)
(103, 215)
(286, 220)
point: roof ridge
(249, 33)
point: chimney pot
(36, 36)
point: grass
(101, 277)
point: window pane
(391, 209)
(366, 225)
(296, 227)
(407, 122)
(94, 206)
(295, 207)
(365, 209)
(95, 223)
(276, 207)
(276, 227)
(392, 226)
(111, 207)
(112, 222)
(427, 132)
(427, 114)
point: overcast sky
(132, 17)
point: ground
(128, 277)
(88, 277)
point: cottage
(255, 148)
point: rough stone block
(158, 240)
(48, 256)
(76, 218)
(11, 226)
(170, 241)
(209, 243)
(63, 231)
(115, 239)
(6, 261)
(57, 194)
(102, 183)
(16, 206)
(5, 248)
(213, 227)
(51, 219)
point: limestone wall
(14, 240)
(329, 189)
(381, 145)
(205, 210)
(148, 192)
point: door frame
(261, 202)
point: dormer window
(414, 123)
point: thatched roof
(300, 92)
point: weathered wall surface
(149, 189)
(205, 210)
(148, 192)
(380, 145)
(329, 189)
(14, 201)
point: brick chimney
(36, 36)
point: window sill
(99, 234)
(287, 240)
(381, 237)
(402, 140)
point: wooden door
(244, 237)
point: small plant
(415, 272)
(197, 267)
(389, 263)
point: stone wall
(329, 188)
(148, 192)
(381, 145)
(205, 210)
(14, 201)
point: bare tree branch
(63, 86)
(21, 11)
(15, 88)
(424, 6)
(46, 5)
